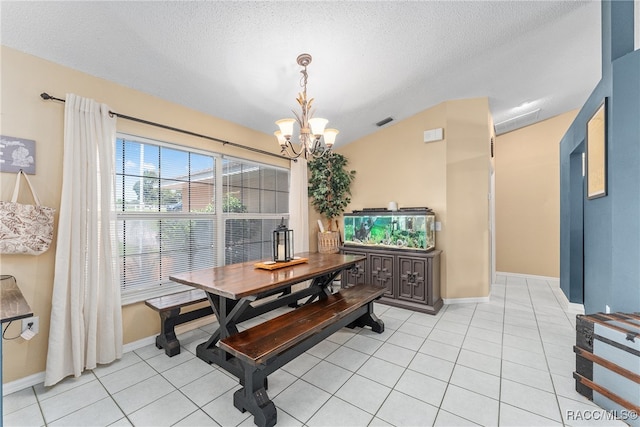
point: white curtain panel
(86, 315)
(299, 205)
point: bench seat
(177, 300)
(266, 347)
(169, 307)
(257, 344)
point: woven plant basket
(329, 242)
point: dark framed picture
(597, 153)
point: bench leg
(368, 319)
(167, 338)
(253, 398)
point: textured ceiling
(371, 60)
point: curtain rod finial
(45, 95)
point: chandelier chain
(303, 79)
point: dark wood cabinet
(382, 272)
(412, 278)
(356, 274)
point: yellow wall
(528, 197)
(468, 168)
(24, 114)
(450, 176)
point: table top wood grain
(14, 306)
(241, 280)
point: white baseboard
(551, 280)
(473, 300)
(138, 344)
(570, 307)
(38, 378)
(22, 383)
(35, 379)
(194, 324)
(554, 281)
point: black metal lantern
(282, 243)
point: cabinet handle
(415, 278)
(411, 277)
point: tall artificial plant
(329, 185)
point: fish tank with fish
(407, 228)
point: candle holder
(282, 243)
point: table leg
(287, 291)
(322, 284)
(226, 311)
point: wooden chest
(608, 361)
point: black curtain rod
(47, 97)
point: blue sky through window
(167, 163)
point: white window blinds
(173, 204)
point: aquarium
(403, 229)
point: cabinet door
(412, 280)
(381, 270)
(356, 274)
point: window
(173, 205)
(255, 198)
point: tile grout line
(503, 334)
(504, 318)
(455, 363)
(555, 394)
(393, 388)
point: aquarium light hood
(405, 209)
(312, 129)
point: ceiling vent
(384, 121)
(517, 122)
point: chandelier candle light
(312, 130)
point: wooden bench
(266, 347)
(170, 307)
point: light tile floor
(508, 362)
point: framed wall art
(597, 153)
(16, 154)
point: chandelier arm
(316, 146)
(319, 152)
(285, 153)
(293, 149)
(293, 153)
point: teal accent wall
(624, 178)
(600, 238)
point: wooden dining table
(239, 292)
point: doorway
(575, 293)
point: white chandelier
(312, 130)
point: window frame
(217, 216)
